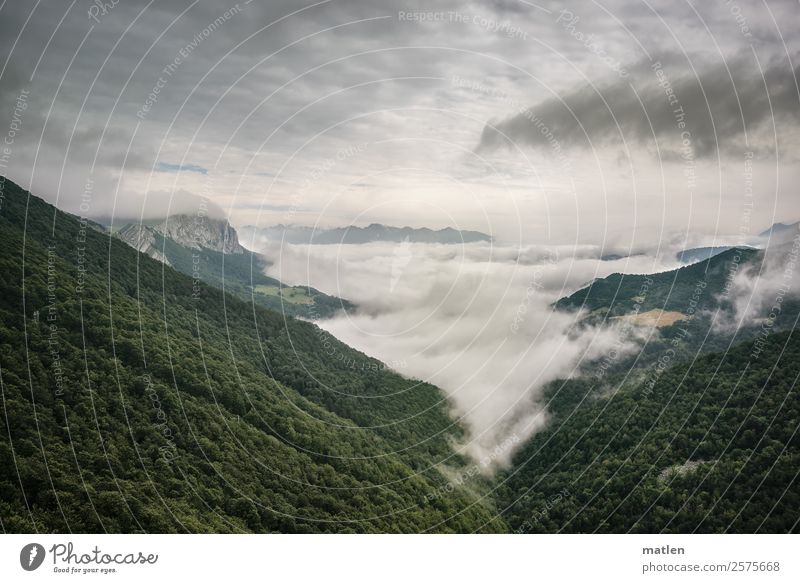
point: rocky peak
(198, 232)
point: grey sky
(357, 111)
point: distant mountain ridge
(361, 235)
(780, 228)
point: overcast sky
(621, 124)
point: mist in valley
(476, 320)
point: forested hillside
(707, 446)
(241, 274)
(619, 293)
(689, 310)
(138, 399)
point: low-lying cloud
(758, 292)
(475, 320)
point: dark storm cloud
(721, 106)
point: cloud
(267, 97)
(719, 105)
(757, 293)
(470, 319)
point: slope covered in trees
(707, 446)
(138, 399)
(701, 306)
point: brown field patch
(658, 318)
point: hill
(619, 293)
(208, 249)
(696, 308)
(706, 446)
(137, 399)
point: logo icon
(31, 556)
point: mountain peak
(780, 228)
(200, 231)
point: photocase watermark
(184, 53)
(475, 469)
(31, 556)
(66, 560)
(199, 223)
(748, 204)
(543, 511)
(319, 171)
(568, 22)
(730, 277)
(53, 336)
(80, 238)
(626, 328)
(503, 27)
(95, 561)
(686, 147)
(520, 109)
(665, 360)
(767, 326)
(14, 127)
(101, 8)
(739, 17)
(169, 451)
(330, 348)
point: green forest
(138, 399)
(135, 403)
(708, 446)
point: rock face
(201, 232)
(188, 231)
(142, 238)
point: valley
(232, 417)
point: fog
(475, 320)
(757, 292)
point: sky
(618, 124)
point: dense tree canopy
(137, 399)
(134, 402)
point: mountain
(699, 253)
(362, 235)
(696, 308)
(781, 229)
(711, 445)
(137, 400)
(143, 239)
(200, 232)
(208, 250)
(618, 294)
